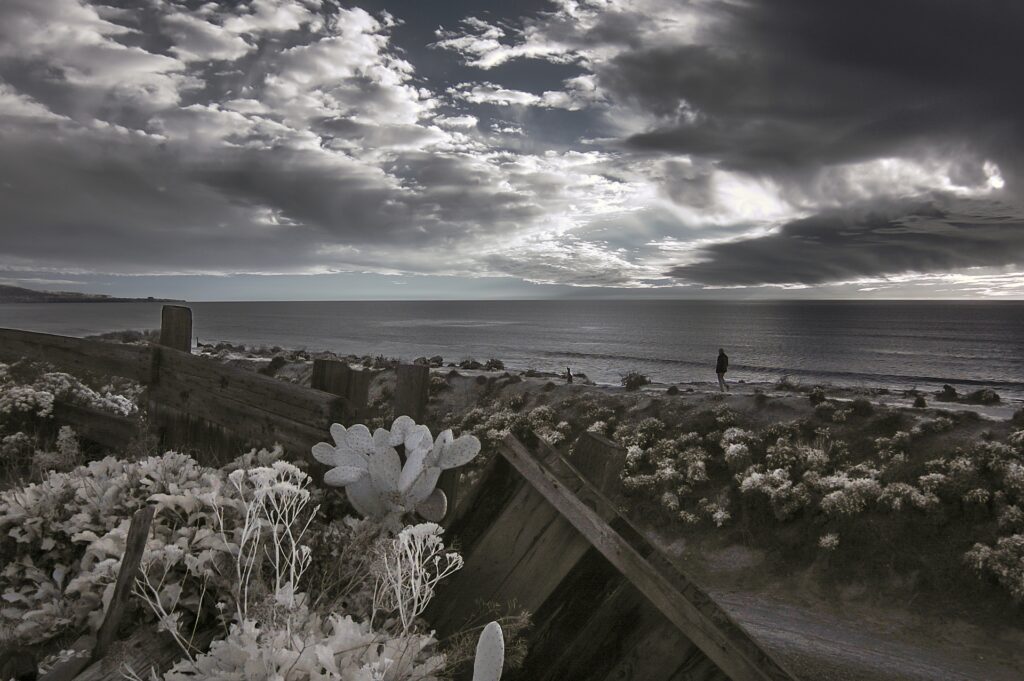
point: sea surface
(872, 344)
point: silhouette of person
(720, 368)
(568, 375)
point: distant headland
(16, 294)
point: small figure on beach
(568, 375)
(720, 368)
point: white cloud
(457, 122)
(274, 16)
(16, 105)
(198, 40)
(83, 49)
(580, 93)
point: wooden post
(135, 546)
(176, 327)
(331, 376)
(338, 378)
(88, 649)
(359, 392)
(412, 390)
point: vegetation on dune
(329, 584)
(869, 493)
(294, 580)
(857, 489)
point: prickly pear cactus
(490, 654)
(370, 468)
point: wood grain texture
(135, 546)
(686, 606)
(146, 649)
(203, 421)
(77, 355)
(71, 668)
(176, 327)
(412, 390)
(598, 460)
(97, 426)
(339, 378)
(261, 393)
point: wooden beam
(678, 599)
(204, 375)
(135, 546)
(597, 627)
(97, 426)
(358, 395)
(70, 668)
(145, 650)
(176, 327)
(88, 649)
(412, 390)
(188, 415)
(77, 355)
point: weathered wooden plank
(179, 410)
(651, 648)
(211, 444)
(599, 460)
(77, 355)
(477, 510)
(80, 658)
(331, 376)
(523, 556)
(97, 426)
(135, 545)
(358, 395)
(146, 649)
(262, 393)
(412, 391)
(679, 600)
(338, 378)
(176, 327)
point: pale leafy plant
(375, 479)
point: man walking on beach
(720, 368)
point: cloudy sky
(310, 149)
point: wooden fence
(536, 528)
(203, 403)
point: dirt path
(822, 647)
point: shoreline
(895, 397)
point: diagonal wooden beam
(679, 600)
(135, 546)
(88, 648)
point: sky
(317, 150)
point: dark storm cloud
(787, 85)
(867, 241)
(576, 142)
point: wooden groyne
(536, 528)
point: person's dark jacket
(723, 363)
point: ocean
(872, 344)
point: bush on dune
(880, 496)
(244, 549)
(634, 380)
